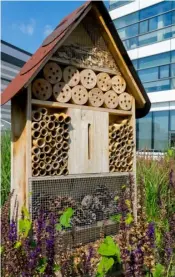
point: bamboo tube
(46, 118)
(39, 142)
(129, 161)
(57, 124)
(130, 168)
(53, 151)
(117, 164)
(35, 165)
(66, 127)
(59, 138)
(60, 117)
(65, 146)
(111, 147)
(112, 168)
(42, 165)
(53, 143)
(59, 159)
(43, 132)
(35, 126)
(111, 155)
(65, 171)
(116, 126)
(111, 128)
(54, 133)
(35, 172)
(35, 150)
(59, 146)
(44, 111)
(130, 128)
(51, 125)
(64, 156)
(112, 135)
(53, 117)
(60, 131)
(47, 149)
(48, 138)
(42, 156)
(59, 153)
(56, 165)
(66, 135)
(128, 148)
(53, 172)
(111, 161)
(36, 116)
(43, 124)
(117, 152)
(130, 136)
(64, 163)
(48, 160)
(67, 119)
(35, 134)
(119, 140)
(131, 142)
(117, 132)
(48, 167)
(35, 159)
(59, 171)
(54, 157)
(42, 172)
(117, 145)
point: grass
(5, 166)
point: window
(158, 86)
(160, 130)
(173, 83)
(150, 74)
(143, 27)
(135, 63)
(164, 71)
(173, 56)
(155, 60)
(155, 10)
(117, 4)
(153, 24)
(126, 20)
(131, 43)
(173, 70)
(145, 132)
(172, 120)
(127, 32)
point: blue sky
(26, 23)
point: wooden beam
(131, 83)
(51, 104)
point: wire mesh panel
(92, 198)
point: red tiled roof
(41, 54)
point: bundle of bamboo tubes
(121, 146)
(50, 143)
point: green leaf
(17, 245)
(159, 270)
(24, 227)
(42, 265)
(66, 217)
(25, 213)
(1, 249)
(118, 253)
(129, 219)
(108, 247)
(104, 266)
(56, 268)
(116, 198)
(128, 203)
(58, 227)
(116, 217)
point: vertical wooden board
(18, 147)
(89, 142)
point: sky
(26, 24)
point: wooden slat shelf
(95, 68)
(52, 104)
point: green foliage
(129, 219)
(17, 245)
(158, 271)
(25, 223)
(65, 219)
(5, 166)
(109, 248)
(104, 266)
(42, 265)
(116, 218)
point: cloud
(27, 29)
(48, 30)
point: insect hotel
(73, 111)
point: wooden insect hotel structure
(73, 111)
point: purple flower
(151, 234)
(13, 231)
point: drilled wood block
(71, 76)
(96, 97)
(88, 78)
(111, 99)
(62, 92)
(79, 95)
(41, 89)
(104, 81)
(52, 72)
(118, 84)
(125, 101)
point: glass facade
(113, 4)
(153, 131)
(150, 25)
(157, 72)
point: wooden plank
(95, 68)
(51, 104)
(88, 156)
(18, 147)
(28, 142)
(131, 83)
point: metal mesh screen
(92, 198)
